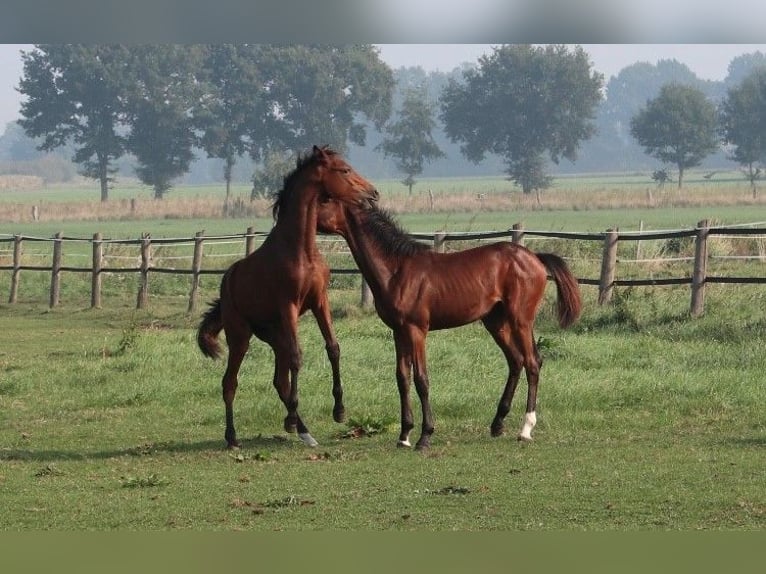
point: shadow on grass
(259, 442)
(748, 441)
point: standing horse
(417, 290)
(265, 293)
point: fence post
(56, 271)
(367, 298)
(16, 268)
(439, 240)
(95, 283)
(196, 266)
(638, 241)
(700, 268)
(608, 263)
(249, 240)
(143, 286)
(517, 233)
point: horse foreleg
(322, 315)
(403, 365)
(229, 384)
(420, 374)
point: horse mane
(389, 235)
(283, 197)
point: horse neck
(297, 225)
(375, 264)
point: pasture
(111, 419)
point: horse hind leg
(237, 350)
(501, 333)
(532, 365)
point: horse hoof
(522, 438)
(497, 431)
(339, 415)
(403, 444)
(308, 440)
(290, 427)
(233, 445)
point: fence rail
(606, 281)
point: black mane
(283, 197)
(389, 235)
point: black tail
(207, 333)
(569, 302)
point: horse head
(340, 181)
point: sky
(708, 61)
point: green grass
(112, 419)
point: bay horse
(417, 290)
(264, 293)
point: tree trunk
(227, 169)
(103, 177)
(104, 181)
(680, 176)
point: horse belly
(456, 315)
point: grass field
(111, 419)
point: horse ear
(321, 154)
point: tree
(523, 103)
(75, 96)
(410, 139)
(318, 93)
(270, 177)
(613, 148)
(164, 94)
(743, 124)
(677, 127)
(234, 104)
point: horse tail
(568, 291)
(209, 327)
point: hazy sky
(708, 61)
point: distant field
(582, 203)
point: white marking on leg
(404, 443)
(530, 420)
(307, 439)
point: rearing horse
(417, 290)
(264, 293)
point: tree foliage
(743, 124)
(524, 103)
(318, 93)
(160, 109)
(677, 127)
(160, 102)
(409, 139)
(233, 106)
(75, 94)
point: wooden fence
(144, 266)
